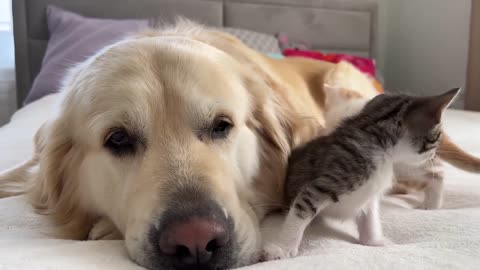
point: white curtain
(7, 63)
(7, 60)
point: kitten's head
(418, 119)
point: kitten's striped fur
(427, 177)
(343, 174)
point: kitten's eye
(430, 142)
(433, 137)
(119, 142)
(221, 128)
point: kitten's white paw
(104, 230)
(273, 251)
(373, 242)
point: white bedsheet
(417, 239)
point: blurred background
(423, 45)
(7, 62)
(423, 48)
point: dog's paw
(104, 229)
(276, 252)
(373, 242)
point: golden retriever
(177, 141)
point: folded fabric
(365, 65)
(276, 55)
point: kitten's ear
(427, 111)
(436, 105)
(338, 95)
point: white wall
(424, 44)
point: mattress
(417, 239)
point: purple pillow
(73, 38)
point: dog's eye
(119, 142)
(221, 128)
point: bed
(417, 239)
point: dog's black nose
(194, 232)
(193, 242)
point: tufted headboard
(329, 25)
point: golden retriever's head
(154, 134)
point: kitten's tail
(456, 156)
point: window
(7, 58)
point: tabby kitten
(341, 103)
(343, 174)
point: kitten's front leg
(299, 216)
(286, 243)
(369, 225)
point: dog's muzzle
(193, 233)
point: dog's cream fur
(165, 85)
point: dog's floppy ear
(278, 130)
(53, 191)
(268, 121)
(274, 133)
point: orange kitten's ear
(331, 95)
(338, 95)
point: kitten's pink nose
(193, 241)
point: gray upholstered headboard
(331, 25)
